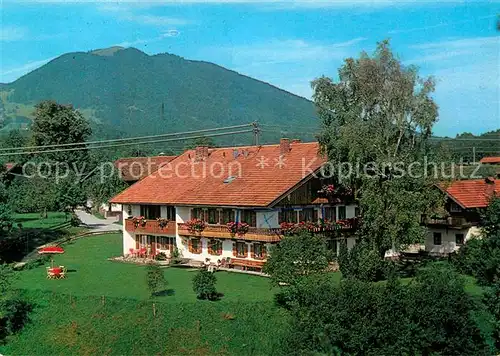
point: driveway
(96, 224)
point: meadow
(104, 307)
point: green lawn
(70, 317)
(53, 221)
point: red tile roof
(490, 160)
(260, 178)
(473, 193)
(135, 168)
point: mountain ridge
(131, 92)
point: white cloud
(443, 24)
(126, 13)
(139, 41)
(12, 33)
(293, 50)
(460, 43)
(15, 72)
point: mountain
(126, 92)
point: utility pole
(256, 132)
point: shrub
(204, 285)
(432, 315)
(155, 278)
(161, 257)
(75, 220)
(362, 263)
(295, 257)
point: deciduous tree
(379, 116)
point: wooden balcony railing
(455, 221)
(151, 227)
(220, 231)
(262, 234)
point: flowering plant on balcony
(347, 223)
(162, 222)
(328, 189)
(196, 225)
(139, 220)
(293, 229)
(240, 228)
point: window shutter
(137, 243)
(264, 251)
(190, 245)
(245, 250)
(235, 253)
(252, 251)
(220, 248)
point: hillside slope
(130, 92)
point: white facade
(448, 239)
(264, 219)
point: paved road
(96, 224)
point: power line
(124, 144)
(125, 139)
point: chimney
(490, 186)
(296, 140)
(201, 153)
(284, 146)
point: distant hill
(127, 92)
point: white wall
(128, 238)
(267, 219)
(448, 239)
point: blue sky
(284, 43)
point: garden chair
(63, 272)
(50, 274)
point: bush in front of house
(155, 278)
(432, 315)
(363, 263)
(204, 285)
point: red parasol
(50, 250)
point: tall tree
(60, 124)
(379, 116)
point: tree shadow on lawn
(164, 293)
(214, 298)
(18, 244)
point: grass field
(72, 317)
(53, 221)
(104, 308)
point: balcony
(151, 227)
(450, 221)
(221, 232)
(266, 234)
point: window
(195, 245)
(165, 243)
(330, 214)
(437, 238)
(197, 213)
(258, 251)
(455, 208)
(215, 247)
(459, 239)
(170, 212)
(357, 212)
(151, 212)
(308, 214)
(287, 215)
(342, 212)
(227, 215)
(240, 249)
(249, 217)
(212, 216)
